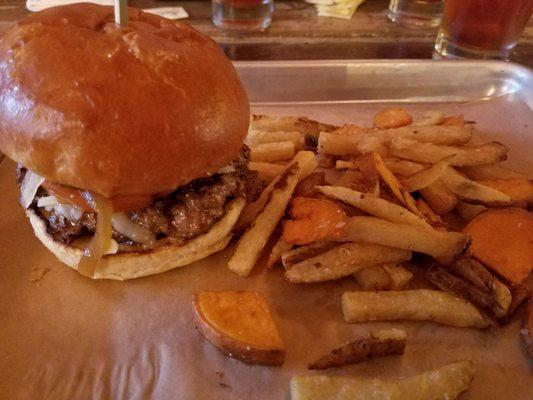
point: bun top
(136, 110)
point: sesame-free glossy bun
(138, 110)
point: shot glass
(416, 13)
(481, 28)
(242, 15)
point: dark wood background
(298, 34)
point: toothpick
(121, 12)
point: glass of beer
(481, 28)
(415, 13)
(242, 15)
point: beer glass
(481, 28)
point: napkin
(167, 12)
(336, 8)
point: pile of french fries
(362, 201)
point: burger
(129, 140)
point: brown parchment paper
(68, 337)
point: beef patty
(182, 215)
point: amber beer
(482, 28)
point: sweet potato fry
(519, 189)
(392, 118)
(446, 382)
(503, 241)
(526, 333)
(381, 343)
(314, 219)
(414, 305)
(240, 324)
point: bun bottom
(122, 266)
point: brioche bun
(122, 266)
(139, 110)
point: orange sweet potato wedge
(519, 189)
(503, 241)
(240, 324)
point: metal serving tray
(67, 337)
(378, 81)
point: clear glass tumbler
(481, 28)
(416, 13)
(243, 15)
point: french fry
(473, 192)
(305, 159)
(490, 171)
(440, 199)
(479, 276)
(426, 177)
(279, 248)
(299, 254)
(374, 277)
(413, 305)
(399, 275)
(414, 150)
(520, 295)
(256, 137)
(342, 260)
(430, 215)
(380, 343)
(267, 171)
(469, 211)
(270, 152)
(446, 382)
(373, 205)
(396, 186)
(341, 145)
(438, 244)
(254, 239)
(519, 189)
(430, 118)
(457, 286)
(301, 124)
(343, 164)
(403, 167)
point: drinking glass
(243, 15)
(481, 28)
(416, 13)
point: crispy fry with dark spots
(381, 343)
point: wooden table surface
(298, 34)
